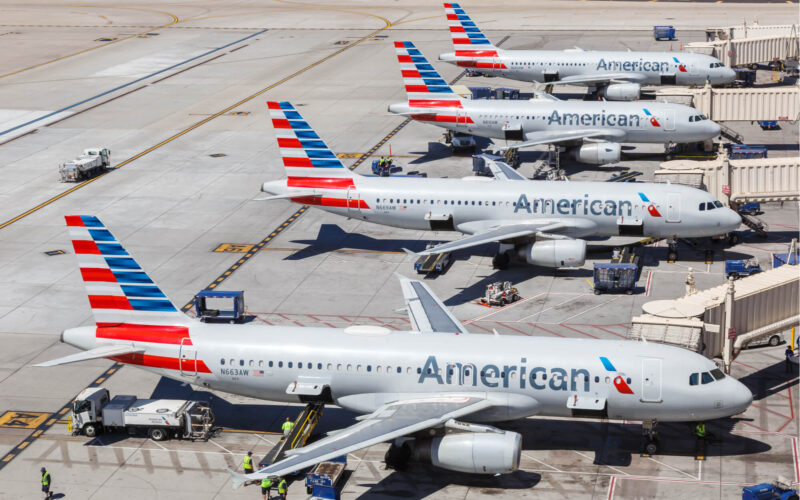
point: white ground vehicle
(500, 293)
(462, 141)
(93, 412)
(92, 162)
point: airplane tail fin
(120, 292)
(468, 40)
(424, 86)
(308, 161)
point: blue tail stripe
(292, 115)
(319, 153)
(142, 291)
(118, 263)
(151, 305)
(101, 235)
(306, 134)
(327, 164)
(285, 105)
(111, 249)
(127, 277)
(426, 67)
(91, 221)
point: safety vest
(287, 426)
(266, 483)
(282, 486)
(46, 479)
(247, 463)
(701, 430)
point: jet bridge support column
(728, 332)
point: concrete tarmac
(177, 91)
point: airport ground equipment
(664, 32)
(463, 142)
(93, 412)
(744, 78)
(610, 277)
(322, 481)
(304, 425)
(768, 125)
(380, 170)
(92, 162)
(792, 257)
(746, 152)
(739, 268)
(237, 314)
(627, 176)
(434, 263)
(481, 92)
(753, 208)
(500, 293)
(779, 490)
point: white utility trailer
(93, 412)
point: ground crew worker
(282, 488)
(247, 463)
(382, 162)
(789, 354)
(46, 480)
(266, 487)
(389, 162)
(287, 426)
(700, 430)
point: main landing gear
(501, 260)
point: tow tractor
(738, 268)
(94, 412)
(500, 293)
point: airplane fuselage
(365, 367)
(649, 68)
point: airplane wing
(96, 353)
(425, 311)
(499, 233)
(552, 137)
(602, 78)
(386, 423)
(503, 172)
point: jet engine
(621, 91)
(555, 253)
(598, 153)
(471, 452)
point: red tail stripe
(321, 182)
(449, 103)
(448, 6)
(273, 105)
(83, 247)
(74, 221)
(404, 58)
(417, 88)
(151, 361)
(462, 41)
(97, 274)
(280, 123)
(476, 53)
(109, 302)
(457, 29)
(399, 45)
(285, 142)
(331, 202)
(452, 17)
(147, 333)
(410, 73)
(297, 162)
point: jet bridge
(720, 321)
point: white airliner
(539, 222)
(435, 378)
(592, 130)
(618, 75)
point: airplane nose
(732, 220)
(400, 108)
(448, 57)
(729, 76)
(742, 398)
(713, 129)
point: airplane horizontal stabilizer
(293, 194)
(96, 353)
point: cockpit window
(709, 206)
(693, 379)
(718, 204)
(706, 378)
(702, 206)
(717, 374)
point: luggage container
(664, 32)
(210, 315)
(481, 92)
(610, 277)
(322, 481)
(745, 152)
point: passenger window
(252, 363)
(319, 366)
(270, 364)
(349, 368)
(717, 374)
(222, 361)
(693, 379)
(358, 368)
(280, 364)
(330, 366)
(369, 368)
(399, 369)
(241, 362)
(339, 367)
(289, 364)
(261, 364)
(707, 379)
(232, 361)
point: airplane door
(673, 207)
(669, 120)
(461, 118)
(188, 358)
(353, 202)
(651, 380)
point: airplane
(433, 388)
(617, 75)
(540, 222)
(591, 130)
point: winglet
(238, 479)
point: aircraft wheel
(672, 256)
(396, 457)
(501, 261)
(733, 239)
(651, 447)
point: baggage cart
(664, 32)
(612, 277)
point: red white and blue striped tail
(425, 87)
(304, 154)
(468, 40)
(120, 292)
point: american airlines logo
(651, 209)
(681, 67)
(653, 119)
(595, 119)
(640, 65)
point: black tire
(396, 457)
(501, 261)
(733, 239)
(734, 275)
(629, 292)
(596, 291)
(91, 430)
(651, 448)
(774, 340)
(158, 434)
(672, 256)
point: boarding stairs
(303, 427)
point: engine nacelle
(555, 253)
(621, 91)
(471, 452)
(598, 153)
